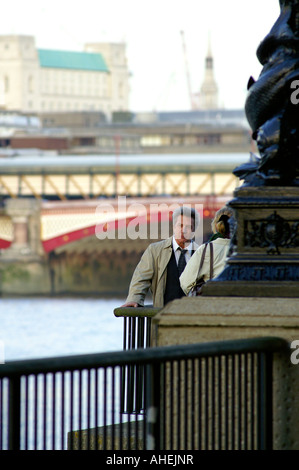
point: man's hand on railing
(130, 304)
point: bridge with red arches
(61, 223)
(52, 202)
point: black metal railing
(137, 333)
(137, 325)
(202, 396)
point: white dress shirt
(177, 250)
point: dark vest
(173, 288)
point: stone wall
(204, 319)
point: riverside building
(46, 80)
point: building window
(6, 84)
(151, 141)
(121, 90)
(30, 84)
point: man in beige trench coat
(160, 265)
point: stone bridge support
(23, 266)
(25, 216)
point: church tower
(209, 91)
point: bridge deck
(68, 177)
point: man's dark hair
(187, 211)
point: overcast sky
(151, 30)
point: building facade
(44, 80)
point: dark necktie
(182, 261)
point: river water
(48, 327)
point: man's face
(183, 230)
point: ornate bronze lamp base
(265, 261)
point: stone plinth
(204, 319)
(266, 256)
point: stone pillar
(24, 266)
(20, 240)
(25, 215)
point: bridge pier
(23, 266)
(25, 216)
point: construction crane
(192, 96)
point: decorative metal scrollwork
(273, 233)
